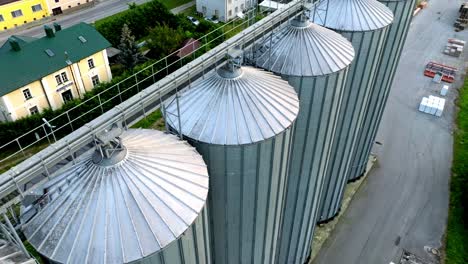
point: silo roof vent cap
(232, 68)
(109, 147)
(301, 21)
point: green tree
(139, 18)
(163, 40)
(130, 55)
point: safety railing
(73, 118)
(127, 111)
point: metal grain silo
(239, 119)
(314, 60)
(364, 23)
(139, 199)
(393, 46)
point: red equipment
(448, 72)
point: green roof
(22, 40)
(31, 62)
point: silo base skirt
(308, 259)
(358, 177)
(327, 220)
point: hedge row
(140, 19)
(81, 114)
(86, 112)
(457, 226)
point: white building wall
(225, 10)
(4, 111)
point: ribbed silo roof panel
(252, 107)
(307, 50)
(127, 211)
(352, 15)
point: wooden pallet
(448, 72)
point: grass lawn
(457, 228)
(33, 252)
(191, 11)
(154, 120)
(170, 4)
(15, 160)
(234, 28)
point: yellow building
(15, 13)
(49, 71)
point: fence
(68, 121)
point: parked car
(212, 20)
(193, 20)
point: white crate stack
(444, 90)
(454, 47)
(432, 105)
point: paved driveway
(403, 203)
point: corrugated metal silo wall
(403, 13)
(311, 146)
(368, 47)
(247, 185)
(193, 247)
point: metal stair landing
(10, 254)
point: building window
(56, 1)
(91, 63)
(58, 79)
(230, 1)
(237, 10)
(27, 94)
(230, 13)
(61, 78)
(34, 110)
(36, 8)
(16, 13)
(242, 7)
(95, 80)
(64, 77)
(1, 18)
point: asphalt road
(403, 203)
(100, 10)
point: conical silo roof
(307, 49)
(237, 107)
(126, 210)
(352, 15)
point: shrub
(139, 19)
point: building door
(57, 11)
(67, 96)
